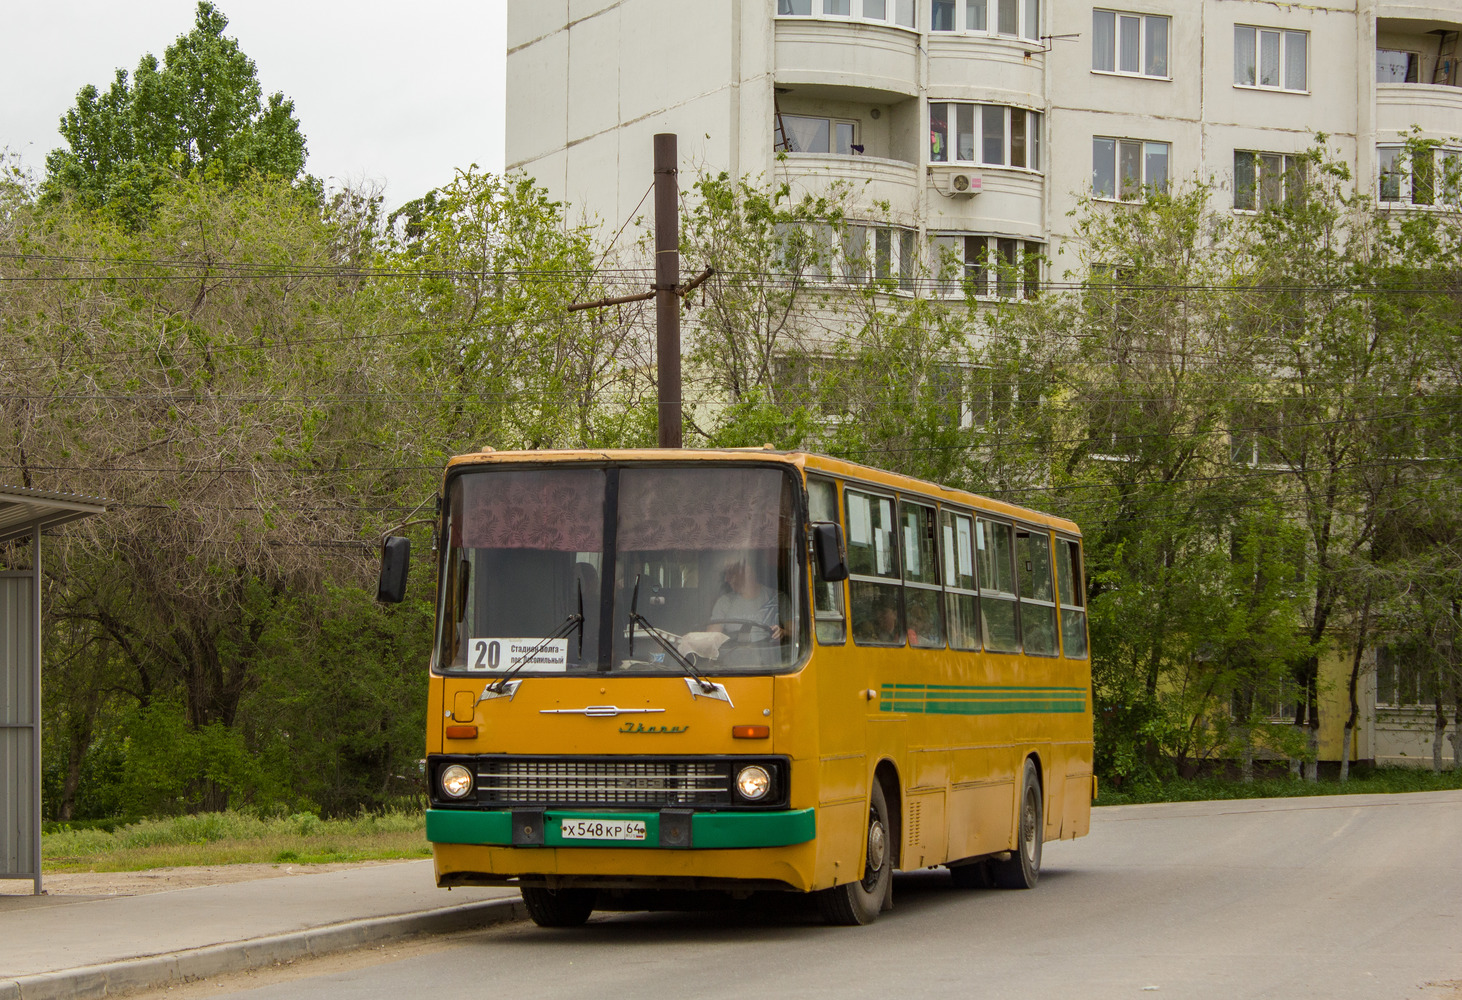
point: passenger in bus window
(884, 625)
(924, 627)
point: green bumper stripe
(772, 829)
(450, 826)
(753, 829)
(948, 699)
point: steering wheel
(739, 637)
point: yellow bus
(743, 670)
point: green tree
(480, 272)
(1141, 462)
(201, 109)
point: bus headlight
(753, 783)
(456, 781)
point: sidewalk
(94, 946)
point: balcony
(982, 67)
(872, 63)
(1416, 52)
(869, 180)
(1010, 200)
(1434, 108)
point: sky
(393, 94)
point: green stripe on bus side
(950, 699)
(707, 830)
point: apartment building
(974, 126)
(979, 123)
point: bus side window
(1037, 591)
(873, 570)
(921, 576)
(961, 600)
(1073, 598)
(827, 597)
(993, 546)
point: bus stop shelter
(24, 515)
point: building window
(808, 134)
(1010, 18)
(1132, 44)
(1262, 180)
(879, 253)
(1266, 436)
(1125, 169)
(1430, 176)
(999, 266)
(988, 134)
(900, 12)
(1397, 66)
(1270, 58)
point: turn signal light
(461, 732)
(750, 732)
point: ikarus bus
(735, 671)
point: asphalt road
(1336, 897)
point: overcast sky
(396, 93)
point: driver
(747, 602)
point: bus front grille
(546, 782)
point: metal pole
(667, 277)
(35, 707)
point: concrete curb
(153, 971)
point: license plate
(602, 829)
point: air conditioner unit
(959, 183)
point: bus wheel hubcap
(877, 848)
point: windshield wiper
(636, 618)
(573, 621)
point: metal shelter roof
(22, 509)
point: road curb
(153, 971)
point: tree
(481, 272)
(202, 109)
(190, 372)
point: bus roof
(801, 459)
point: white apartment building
(974, 126)
(978, 123)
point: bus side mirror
(395, 561)
(827, 545)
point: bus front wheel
(1023, 867)
(856, 903)
(558, 907)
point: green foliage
(201, 110)
(482, 272)
(342, 710)
(171, 768)
(1363, 780)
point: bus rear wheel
(857, 903)
(558, 907)
(1023, 867)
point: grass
(1362, 780)
(231, 838)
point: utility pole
(667, 291)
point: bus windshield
(581, 569)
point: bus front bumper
(668, 828)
